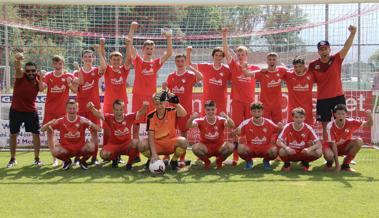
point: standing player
(215, 79)
(298, 142)
(212, 141)
(58, 83)
(299, 84)
(243, 88)
(23, 108)
(327, 73)
(271, 87)
(71, 129)
(120, 140)
(146, 69)
(340, 138)
(88, 91)
(162, 138)
(115, 78)
(260, 137)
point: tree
(374, 59)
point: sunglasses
(30, 71)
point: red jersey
(57, 92)
(89, 91)
(211, 133)
(215, 83)
(298, 139)
(24, 94)
(300, 93)
(243, 88)
(115, 85)
(72, 133)
(336, 134)
(182, 86)
(120, 131)
(145, 82)
(258, 134)
(328, 77)
(271, 86)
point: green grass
(27, 191)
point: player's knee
(89, 147)
(242, 149)
(143, 146)
(328, 154)
(358, 143)
(282, 152)
(105, 155)
(317, 153)
(273, 152)
(229, 147)
(182, 142)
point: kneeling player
(298, 142)
(260, 137)
(161, 127)
(211, 135)
(120, 140)
(72, 136)
(340, 138)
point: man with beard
(23, 108)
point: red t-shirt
(215, 83)
(115, 85)
(258, 134)
(120, 131)
(89, 91)
(145, 82)
(328, 77)
(336, 134)
(298, 139)
(243, 88)
(24, 94)
(182, 86)
(271, 86)
(211, 133)
(57, 92)
(72, 133)
(300, 91)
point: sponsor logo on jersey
(115, 81)
(57, 89)
(214, 81)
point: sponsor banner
(357, 103)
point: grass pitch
(27, 191)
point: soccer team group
(169, 112)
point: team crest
(317, 67)
(183, 81)
(63, 80)
(347, 130)
(221, 74)
(123, 123)
(303, 135)
(277, 75)
(92, 74)
(308, 78)
(264, 129)
(77, 125)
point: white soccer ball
(158, 167)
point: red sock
(132, 155)
(205, 159)
(182, 157)
(63, 157)
(348, 159)
(235, 155)
(94, 156)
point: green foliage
(374, 59)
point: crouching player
(120, 125)
(298, 142)
(161, 127)
(212, 141)
(71, 129)
(340, 138)
(261, 134)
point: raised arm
(73, 84)
(189, 59)
(198, 74)
(247, 72)
(47, 125)
(40, 79)
(94, 111)
(190, 123)
(229, 122)
(18, 65)
(225, 45)
(132, 29)
(348, 42)
(180, 111)
(369, 121)
(101, 52)
(169, 50)
(128, 55)
(143, 110)
(80, 74)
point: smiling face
(257, 113)
(299, 68)
(218, 56)
(340, 115)
(210, 111)
(58, 65)
(324, 51)
(72, 108)
(272, 61)
(115, 60)
(242, 56)
(88, 58)
(180, 62)
(30, 72)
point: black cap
(322, 43)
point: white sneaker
(11, 164)
(55, 163)
(228, 162)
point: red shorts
(273, 112)
(298, 156)
(259, 150)
(73, 150)
(90, 117)
(137, 102)
(118, 149)
(50, 116)
(213, 149)
(341, 149)
(240, 111)
(165, 146)
(181, 122)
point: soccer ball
(158, 167)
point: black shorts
(30, 119)
(325, 107)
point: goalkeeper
(161, 128)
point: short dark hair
(217, 49)
(256, 105)
(57, 58)
(71, 102)
(31, 64)
(298, 110)
(298, 60)
(210, 103)
(339, 107)
(118, 102)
